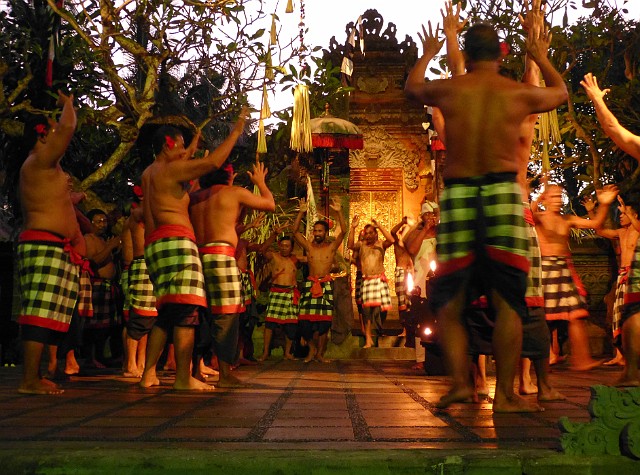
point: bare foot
(192, 385)
(205, 370)
(263, 358)
(482, 390)
(148, 381)
(311, 355)
(551, 395)
(289, 357)
(553, 360)
(617, 361)
(246, 362)
(169, 367)
(514, 403)
(368, 344)
(134, 373)
(96, 364)
(321, 359)
(418, 366)
(528, 388)
(230, 382)
(43, 386)
(462, 394)
(627, 381)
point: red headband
(41, 129)
(170, 142)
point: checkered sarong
(143, 300)
(283, 304)
(564, 296)
(85, 295)
(222, 277)
(632, 294)
(375, 292)
(486, 212)
(618, 303)
(401, 288)
(358, 287)
(126, 294)
(174, 266)
(49, 280)
(104, 305)
(317, 309)
(248, 286)
(534, 295)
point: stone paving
(344, 405)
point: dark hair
(367, 226)
(93, 213)
(322, 223)
(286, 238)
(221, 176)
(34, 128)
(481, 43)
(159, 137)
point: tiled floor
(338, 405)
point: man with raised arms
(47, 265)
(215, 209)
(316, 303)
(170, 250)
(482, 238)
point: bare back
(214, 212)
(136, 228)
(166, 200)
(484, 113)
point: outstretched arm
(297, 235)
(389, 240)
(352, 234)
(452, 26)
(415, 86)
(606, 196)
(622, 137)
(337, 208)
(60, 134)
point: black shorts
(42, 335)
(139, 325)
(308, 328)
(289, 329)
(178, 315)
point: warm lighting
(427, 331)
(410, 284)
(432, 266)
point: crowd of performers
(504, 267)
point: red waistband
(229, 251)
(31, 235)
(382, 277)
(169, 231)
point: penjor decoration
(301, 140)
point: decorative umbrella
(329, 132)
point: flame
(427, 331)
(432, 266)
(410, 284)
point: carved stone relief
(382, 150)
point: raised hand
(193, 146)
(375, 223)
(304, 206)
(589, 203)
(622, 207)
(590, 85)
(430, 42)
(63, 99)
(259, 173)
(538, 42)
(451, 23)
(335, 205)
(607, 194)
(355, 221)
(533, 17)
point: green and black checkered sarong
(222, 277)
(282, 307)
(126, 295)
(174, 266)
(142, 298)
(49, 281)
(316, 309)
(535, 295)
(482, 216)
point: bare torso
(403, 258)
(95, 244)
(484, 119)
(320, 258)
(283, 269)
(553, 234)
(166, 201)
(214, 212)
(372, 258)
(137, 227)
(45, 199)
(628, 239)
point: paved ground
(359, 416)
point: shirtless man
(477, 105)
(629, 143)
(627, 236)
(142, 301)
(316, 303)
(564, 297)
(100, 253)
(376, 298)
(214, 211)
(404, 267)
(170, 250)
(535, 332)
(284, 295)
(44, 257)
